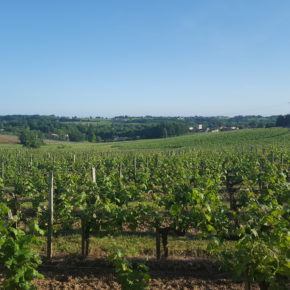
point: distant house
(233, 128)
(199, 127)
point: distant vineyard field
(220, 196)
(260, 137)
(197, 141)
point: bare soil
(166, 274)
(9, 139)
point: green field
(196, 141)
(219, 140)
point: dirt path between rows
(167, 274)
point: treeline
(86, 130)
(283, 121)
(93, 133)
(96, 129)
(243, 122)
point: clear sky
(145, 57)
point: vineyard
(225, 209)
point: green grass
(197, 141)
(133, 245)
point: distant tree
(76, 136)
(98, 138)
(269, 125)
(164, 133)
(287, 121)
(283, 121)
(91, 136)
(31, 138)
(253, 124)
(280, 121)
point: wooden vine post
(94, 174)
(158, 250)
(84, 236)
(135, 167)
(85, 226)
(120, 171)
(50, 217)
(162, 235)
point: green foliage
(129, 277)
(31, 139)
(75, 135)
(262, 259)
(262, 253)
(19, 263)
(123, 127)
(283, 121)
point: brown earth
(165, 274)
(9, 139)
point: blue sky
(145, 57)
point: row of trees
(80, 130)
(283, 121)
(34, 138)
(95, 134)
(123, 127)
(31, 139)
